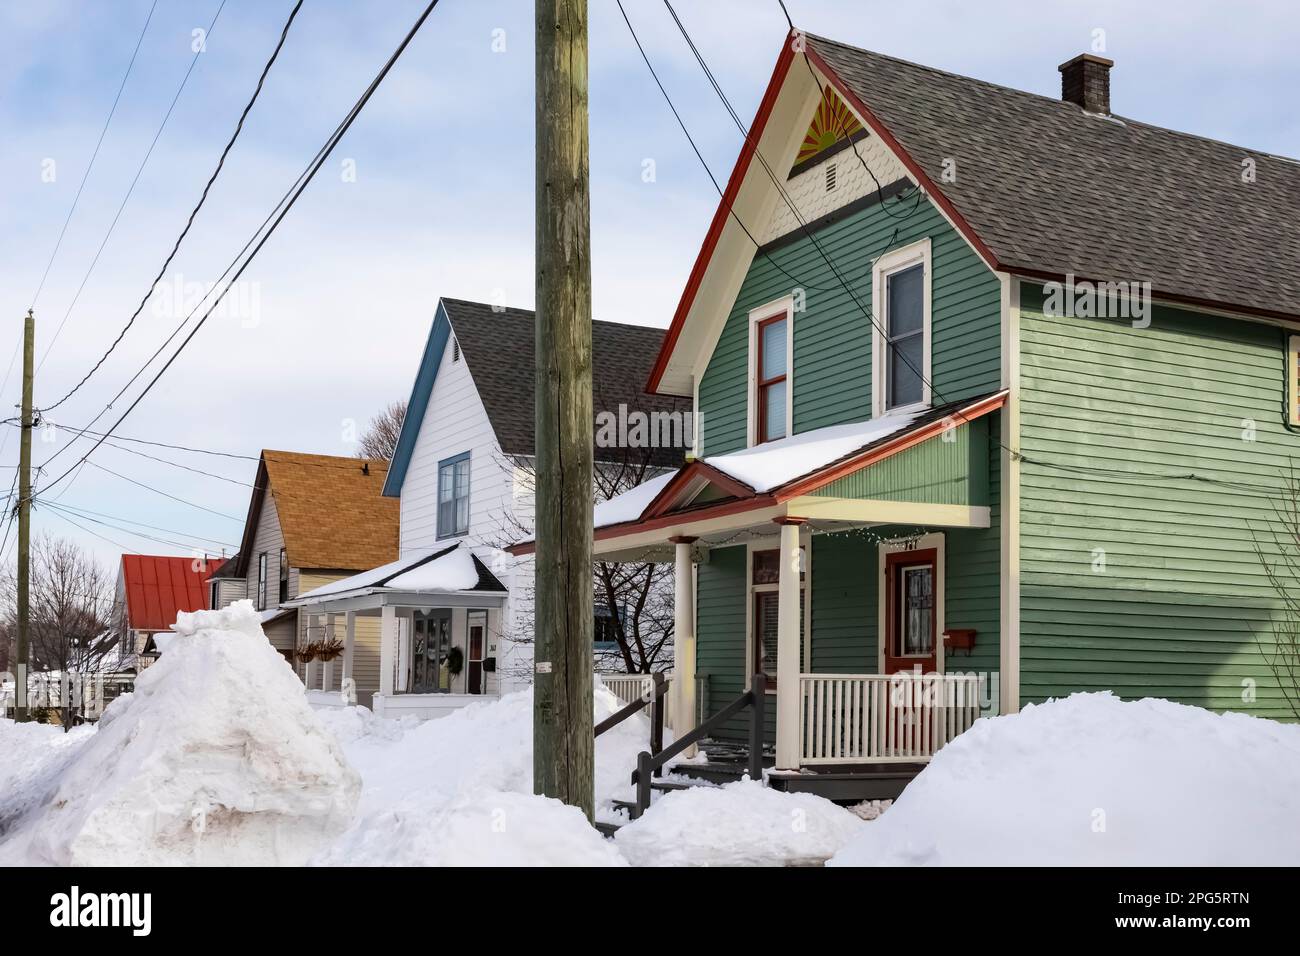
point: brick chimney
(1085, 82)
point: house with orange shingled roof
(312, 520)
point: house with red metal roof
(151, 591)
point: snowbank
(1093, 780)
(459, 790)
(31, 758)
(740, 824)
(216, 759)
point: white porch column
(787, 648)
(348, 685)
(310, 676)
(327, 667)
(683, 689)
(387, 650)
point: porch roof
(426, 578)
(785, 478)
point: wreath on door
(455, 661)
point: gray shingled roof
(498, 348)
(1049, 188)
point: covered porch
(439, 616)
(851, 572)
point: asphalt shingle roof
(331, 512)
(498, 348)
(1049, 188)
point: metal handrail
(648, 765)
(651, 700)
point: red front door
(910, 637)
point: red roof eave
(653, 516)
(723, 212)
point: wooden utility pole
(25, 520)
(563, 747)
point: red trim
(723, 213)
(670, 494)
(664, 521)
(907, 559)
(819, 479)
(904, 157)
(657, 517)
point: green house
(995, 394)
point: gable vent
(455, 351)
(830, 176)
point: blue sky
(442, 199)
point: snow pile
(216, 759)
(740, 824)
(458, 790)
(1093, 780)
(31, 758)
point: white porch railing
(879, 718)
(628, 687)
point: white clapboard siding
(456, 422)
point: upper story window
(284, 577)
(1293, 379)
(770, 350)
(901, 332)
(453, 496)
(261, 581)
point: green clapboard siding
(937, 471)
(845, 585)
(1180, 608)
(832, 336)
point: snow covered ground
(1093, 780)
(216, 758)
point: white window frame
(1293, 380)
(925, 542)
(764, 312)
(261, 581)
(805, 545)
(891, 262)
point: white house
(456, 607)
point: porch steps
(880, 782)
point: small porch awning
(929, 467)
(449, 577)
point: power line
(86, 175)
(94, 534)
(847, 287)
(839, 121)
(125, 199)
(703, 162)
(324, 153)
(158, 491)
(221, 162)
(63, 509)
(78, 509)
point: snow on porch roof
(779, 465)
(432, 572)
